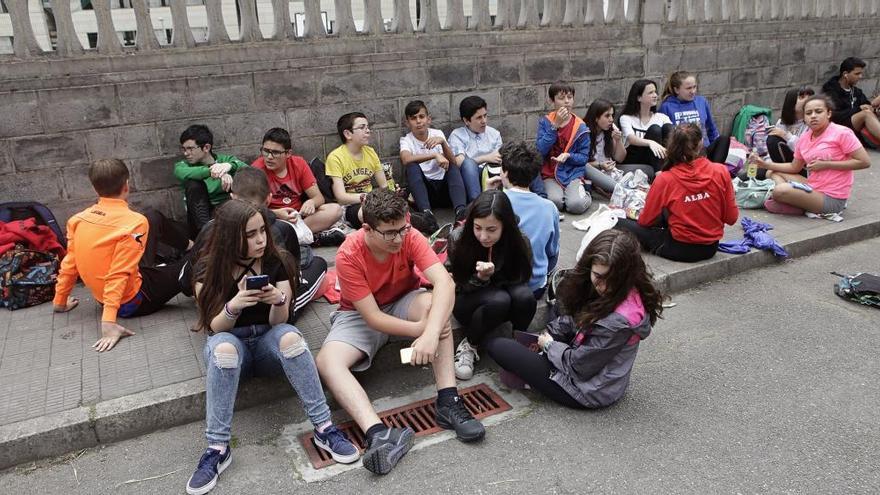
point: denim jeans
(429, 193)
(258, 349)
(470, 173)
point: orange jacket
(105, 245)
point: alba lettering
(696, 197)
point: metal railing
(134, 28)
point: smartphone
(406, 355)
(256, 282)
(800, 185)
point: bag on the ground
(752, 193)
(630, 194)
(756, 133)
(737, 155)
(599, 221)
(424, 223)
(22, 210)
(863, 288)
(325, 184)
(27, 277)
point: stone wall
(62, 112)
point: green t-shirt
(183, 171)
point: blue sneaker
(211, 465)
(337, 444)
(387, 448)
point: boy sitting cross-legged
(380, 296)
(295, 193)
(353, 166)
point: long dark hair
(596, 109)
(222, 254)
(789, 115)
(511, 254)
(620, 251)
(685, 145)
(632, 106)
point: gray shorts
(350, 327)
(833, 205)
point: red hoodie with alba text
(699, 198)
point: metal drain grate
(480, 400)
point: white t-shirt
(430, 168)
(631, 125)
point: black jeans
(198, 206)
(659, 241)
(483, 310)
(163, 230)
(643, 154)
(718, 149)
(532, 368)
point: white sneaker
(465, 355)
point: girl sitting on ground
(682, 105)
(610, 303)
(830, 152)
(248, 333)
(645, 131)
(491, 263)
(688, 204)
(783, 137)
(607, 151)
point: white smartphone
(406, 355)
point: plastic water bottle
(752, 165)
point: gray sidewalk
(60, 395)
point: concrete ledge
(130, 416)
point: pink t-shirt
(361, 274)
(837, 143)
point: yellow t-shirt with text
(357, 175)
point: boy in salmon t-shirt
(380, 296)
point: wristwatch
(283, 299)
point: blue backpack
(20, 210)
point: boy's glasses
(390, 235)
(184, 149)
(364, 127)
(272, 153)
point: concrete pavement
(61, 396)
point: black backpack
(21, 210)
(863, 288)
(325, 184)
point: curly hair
(382, 205)
(620, 252)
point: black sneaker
(387, 448)
(456, 417)
(330, 237)
(211, 465)
(460, 215)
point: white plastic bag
(628, 198)
(601, 220)
(303, 233)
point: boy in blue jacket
(563, 141)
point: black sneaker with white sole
(386, 449)
(454, 416)
(330, 237)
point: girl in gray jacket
(608, 304)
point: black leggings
(779, 152)
(659, 241)
(483, 310)
(532, 368)
(718, 149)
(643, 154)
(163, 230)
